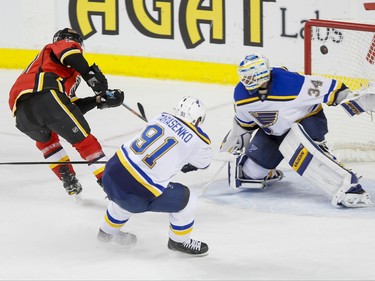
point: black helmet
(68, 33)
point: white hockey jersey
(160, 151)
(290, 98)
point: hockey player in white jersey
(138, 178)
(279, 114)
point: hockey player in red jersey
(45, 105)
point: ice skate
(123, 239)
(191, 247)
(70, 182)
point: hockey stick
(141, 109)
(51, 162)
(205, 187)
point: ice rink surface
(288, 231)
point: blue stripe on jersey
(284, 86)
(246, 125)
(138, 174)
(198, 131)
(331, 88)
(335, 89)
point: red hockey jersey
(48, 71)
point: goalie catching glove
(96, 80)
(112, 98)
(360, 101)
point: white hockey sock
(115, 217)
(251, 170)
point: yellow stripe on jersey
(191, 126)
(40, 81)
(334, 93)
(135, 174)
(245, 101)
(315, 111)
(68, 53)
(63, 106)
(288, 98)
(248, 126)
(61, 88)
(270, 98)
(203, 137)
(24, 92)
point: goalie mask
(191, 110)
(68, 34)
(254, 71)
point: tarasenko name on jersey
(176, 126)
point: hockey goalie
(279, 115)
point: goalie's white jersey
(159, 152)
(290, 98)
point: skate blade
(113, 246)
(178, 253)
(77, 198)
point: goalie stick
(141, 110)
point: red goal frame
(330, 24)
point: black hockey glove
(188, 168)
(112, 98)
(96, 80)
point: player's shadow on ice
(291, 195)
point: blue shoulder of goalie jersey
(284, 86)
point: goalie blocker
(308, 160)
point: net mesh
(347, 55)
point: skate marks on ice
(288, 196)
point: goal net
(344, 51)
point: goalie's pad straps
(309, 161)
(352, 107)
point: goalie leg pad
(309, 161)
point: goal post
(344, 50)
